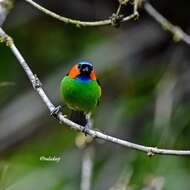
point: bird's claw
(86, 129)
(56, 111)
(60, 121)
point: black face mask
(85, 69)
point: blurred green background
(145, 80)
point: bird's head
(83, 69)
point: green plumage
(79, 95)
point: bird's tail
(78, 117)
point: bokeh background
(145, 80)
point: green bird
(81, 91)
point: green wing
(100, 90)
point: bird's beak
(86, 69)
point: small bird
(81, 90)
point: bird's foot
(60, 121)
(56, 111)
(86, 129)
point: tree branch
(93, 133)
(79, 23)
(178, 33)
(115, 19)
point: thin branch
(135, 8)
(178, 33)
(78, 23)
(118, 9)
(123, 2)
(93, 133)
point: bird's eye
(79, 66)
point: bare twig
(78, 23)
(93, 133)
(135, 7)
(118, 9)
(178, 33)
(123, 2)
